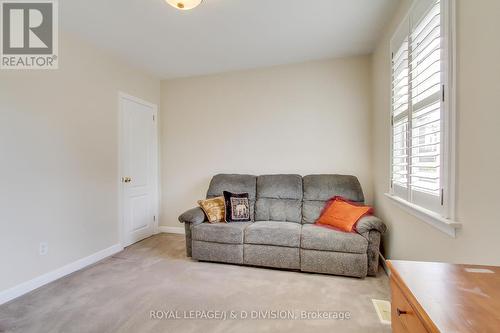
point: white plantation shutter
(400, 113)
(418, 82)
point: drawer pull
(400, 312)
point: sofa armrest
(193, 216)
(372, 228)
(368, 223)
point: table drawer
(403, 316)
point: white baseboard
(171, 230)
(26, 287)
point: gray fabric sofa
(283, 209)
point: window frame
(445, 219)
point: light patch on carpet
(383, 309)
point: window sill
(445, 225)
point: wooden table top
(456, 298)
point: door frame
(156, 162)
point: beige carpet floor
(119, 293)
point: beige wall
(305, 118)
(58, 169)
(58, 144)
(478, 155)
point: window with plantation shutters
(420, 113)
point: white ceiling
(226, 35)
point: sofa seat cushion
(325, 239)
(273, 233)
(227, 233)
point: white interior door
(139, 169)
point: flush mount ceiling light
(184, 4)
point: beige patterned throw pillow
(213, 208)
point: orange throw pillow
(342, 214)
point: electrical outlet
(44, 248)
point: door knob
(126, 179)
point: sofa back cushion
(279, 198)
(234, 183)
(318, 189)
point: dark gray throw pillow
(237, 207)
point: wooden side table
(440, 297)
